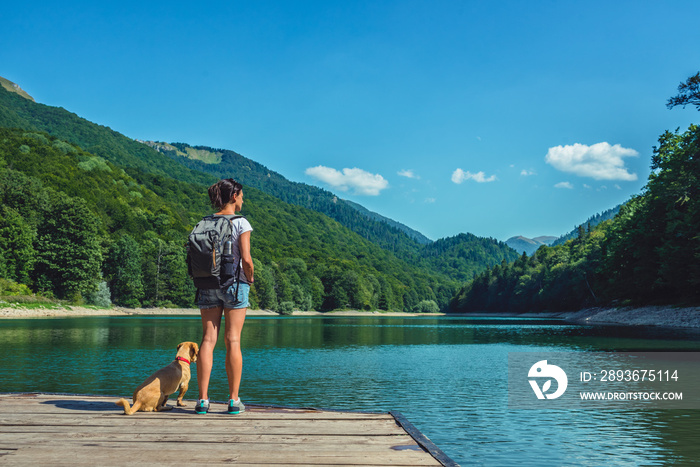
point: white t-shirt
(240, 226)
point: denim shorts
(213, 298)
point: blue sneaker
(235, 407)
(202, 406)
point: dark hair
(222, 192)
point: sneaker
(202, 406)
(235, 407)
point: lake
(447, 375)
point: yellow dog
(153, 393)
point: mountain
(69, 218)
(198, 164)
(12, 87)
(414, 234)
(222, 163)
(465, 257)
(528, 245)
(306, 258)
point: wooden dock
(58, 429)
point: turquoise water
(447, 375)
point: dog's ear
(179, 345)
(194, 351)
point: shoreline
(68, 311)
(666, 316)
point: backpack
(209, 263)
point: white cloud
(588, 187)
(408, 174)
(527, 173)
(459, 175)
(618, 186)
(600, 161)
(430, 200)
(364, 183)
(566, 185)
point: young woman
(227, 197)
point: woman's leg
(211, 322)
(234, 358)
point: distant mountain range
(529, 245)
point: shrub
(100, 297)
(286, 308)
(8, 287)
(426, 306)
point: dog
(154, 392)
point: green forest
(91, 216)
(649, 253)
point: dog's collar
(183, 360)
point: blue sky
(496, 118)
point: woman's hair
(222, 192)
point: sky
(495, 118)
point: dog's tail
(128, 409)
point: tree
(69, 252)
(264, 287)
(123, 270)
(688, 93)
(16, 246)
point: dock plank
(45, 429)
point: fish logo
(542, 369)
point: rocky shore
(638, 316)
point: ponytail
(222, 192)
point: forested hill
(76, 226)
(150, 166)
(223, 163)
(460, 257)
(84, 206)
(647, 254)
(19, 112)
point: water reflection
(447, 375)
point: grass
(31, 301)
(34, 302)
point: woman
(227, 197)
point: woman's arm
(244, 247)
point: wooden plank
(14, 440)
(154, 442)
(106, 455)
(59, 405)
(49, 429)
(292, 429)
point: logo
(543, 370)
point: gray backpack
(210, 261)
